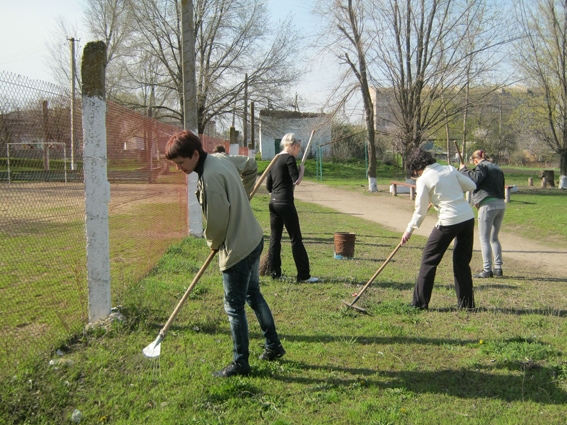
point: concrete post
(97, 188)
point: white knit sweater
(443, 186)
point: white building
(274, 124)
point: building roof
(289, 114)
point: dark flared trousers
(286, 215)
(438, 242)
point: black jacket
(281, 177)
(489, 180)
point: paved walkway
(395, 213)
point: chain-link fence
(43, 282)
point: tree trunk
(563, 162)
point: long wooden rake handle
(187, 292)
(376, 274)
(262, 177)
(458, 152)
(308, 146)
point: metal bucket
(344, 245)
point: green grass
(503, 364)
(43, 261)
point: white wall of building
(273, 128)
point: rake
(362, 310)
(154, 349)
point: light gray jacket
(223, 190)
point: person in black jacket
(280, 182)
(489, 199)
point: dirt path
(395, 213)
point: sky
(27, 26)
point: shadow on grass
(373, 340)
(538, 279)
(478, 287)
(376, 284)
(537, 252)
(537, 385)
(544, 311)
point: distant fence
(43, 284)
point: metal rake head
(154, 349)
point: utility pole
(190, 119)
(252, 132)
(245, 117)
(45, 115)
(73, 73)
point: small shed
(274, 124)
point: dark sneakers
(236, 369)
(270, 355)
(483, 275)
(232, 370)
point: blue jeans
(242, 286)
(490, 216)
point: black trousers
(286, 215)
(438, 242)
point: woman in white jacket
(442, 186)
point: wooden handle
(262, 177)
(458, 152)
(307, 148)
(376, 274)
(187, 292)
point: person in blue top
(443, 187)
(489, 198)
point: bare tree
(542, 58)
(347, 37)
(233, 38)
(419, 58)
(58, 48)
(111, 21)
(430, 53)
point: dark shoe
(231, 370)
(270, 355)
(483, 275)
(418, 307)
(497, 272)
